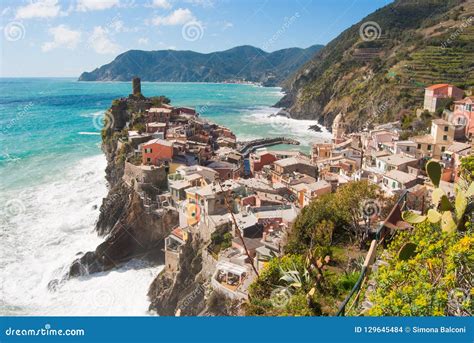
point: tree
(361, 203)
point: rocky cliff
(376, 70)
(184, 289)
(130, 229)
(187, 292)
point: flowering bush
(436, 281)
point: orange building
(156, 151)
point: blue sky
(67, 37)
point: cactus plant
(433, 169)
(443, 208)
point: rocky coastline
(132, 231)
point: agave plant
(451, 216)
(294, 278)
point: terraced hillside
(380, 78)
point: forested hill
(376, 70)
(243, 63)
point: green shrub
(424, 285)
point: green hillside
(379, 80)
(242, 63)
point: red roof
(439, 85)
(178, 232)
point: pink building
(437, 95)
(464, 115)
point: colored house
(438, 95)
(321, 151)
(395, 180)
(159, 114)
(434, 144)
(154, 127)
(226, 170)
(260, 159)
(157, 151)
(395, 162)
(290, 166)
(464, 115)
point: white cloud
(227, 25)
(39, 9)
(143, 41)
(118, 26)
(101, 42)
(62, 36)
(160, 4)
(96, 5)
(177, 17)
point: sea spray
(40, 240)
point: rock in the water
(281, 113)
(315, 128)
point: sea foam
(277, 125)
(44, 228)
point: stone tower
(137, 87)
(338, 129)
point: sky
(63, 38)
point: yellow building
(434, 144)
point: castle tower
(338, 128)
(137, 87)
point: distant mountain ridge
(242, 63)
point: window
(394, 184)
(148, 159)
(446, 128)
(443, 148)
(445, 138)
(429, 147)
(419, 146)
(408, 148)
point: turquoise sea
(52, 184)
(47, 124)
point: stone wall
(155, 176)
